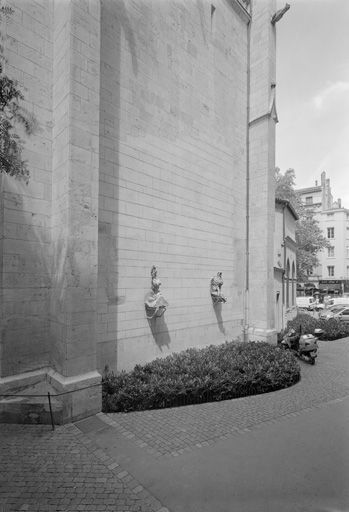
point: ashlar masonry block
(75, 227)
(261, 321)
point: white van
(340, 300)
(305, 302)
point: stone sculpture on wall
(216, 285)
(155, 303)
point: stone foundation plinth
(72, 398)
(268, 335)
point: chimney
(339, 201)
(323, 191)
(315, 183)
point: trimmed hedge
(214, 373)
(333, 328)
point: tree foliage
(14, 117)
(309, 238)
(284, 188)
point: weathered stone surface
(261, 174)
(140, 160)
(172, 175)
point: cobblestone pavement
(169, 432)
(45, 470)
(67, 470)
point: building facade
(333, 271)
(332, 274)
(319, 197)
(285, 267)
(156, 148)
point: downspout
(283, 273)
(247, 249)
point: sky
(313, 93)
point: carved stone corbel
(154, 302)
(215, 288)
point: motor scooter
(304, 346)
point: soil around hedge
(215, 373)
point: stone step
(31, 406)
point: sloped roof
(309, 190)
(286, 203)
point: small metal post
(49, 403)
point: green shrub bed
(333, 328)
(214, 373)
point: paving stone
(166, 432)
(64, 471)
(44, 471)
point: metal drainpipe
(283, 274)
(247, 253)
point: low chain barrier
(48, 396)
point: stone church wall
(140, 159)
(172, 175)
(25, 216)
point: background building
(319, 197)
(285, 268)
(156, 147)
(332, 274)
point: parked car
(340, 300)
(343, 315)
(316, 306)
(329, 310)
(328, 301)
(337, 311)
(305, 302)
(337, 306)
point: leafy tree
(310, 241)
(13, 116)
(284, 188)
(309, 238)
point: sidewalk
(286, 450)
(297, 463)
